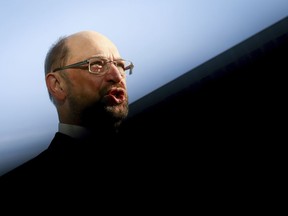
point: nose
(113, 73)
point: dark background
(217, 131)
(234, 101)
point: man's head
(90, 92)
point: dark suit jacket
(69, 166)
(71, 161)
(72, 171)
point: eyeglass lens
(97, 65)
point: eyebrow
(99, 55)
(103, 56)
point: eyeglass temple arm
(130, 67)
(72, 65)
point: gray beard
(104, 118)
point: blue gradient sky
(163, 38)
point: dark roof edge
(244, 48)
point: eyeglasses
(100, 66)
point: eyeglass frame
(130, 67)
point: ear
(55, 85)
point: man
(86, 81)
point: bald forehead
(87, 35)
(88, 43)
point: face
(94, 99)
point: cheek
(91, 90)
(86, 90)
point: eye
(121, 65)
(97, 65)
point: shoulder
(43, 166)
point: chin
(119, 111)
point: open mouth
(115, 96)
